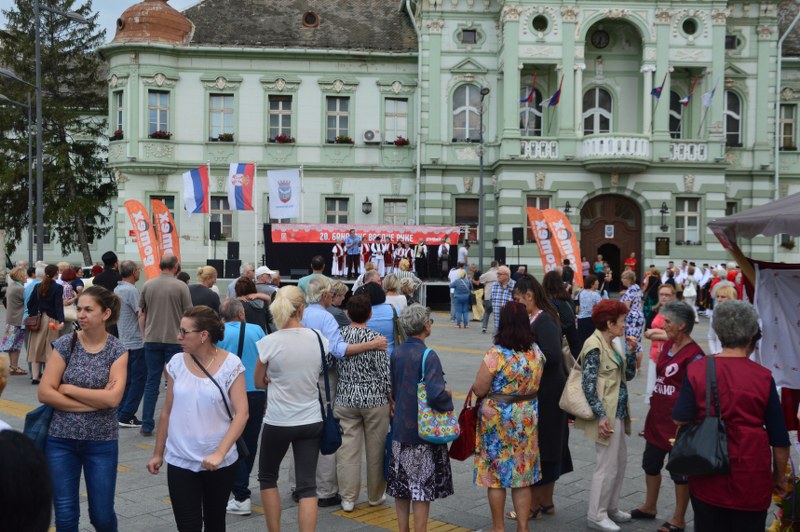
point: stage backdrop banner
(284, 193)
(166, 233)
(565, 240)
(545, 240)
(316, 233)
(145, 238)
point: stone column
(579, 68)
(509, 18)
(647, 117)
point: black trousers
(252, 430)
(304, 440)
(353, 265)
(199, 500)
(709, 518)
(421, 265)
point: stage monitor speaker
(515, 267)
(297, 273)
(268, 233)
(517, 236)
(233, 250)
(500, 254)
(215, 230)
(219, 265)
(232, 268)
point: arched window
(732, 106)
(596, 111)
(675, 115)
(530, 114)
(466, 118)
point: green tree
(78, 187)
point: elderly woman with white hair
(419, 472)
(758, 443)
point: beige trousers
(477, 308)
(367, 427)
(609, 472)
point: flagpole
(255, 216)
(301, 193)
(208, 214)
(658, 100)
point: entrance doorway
(611, 225)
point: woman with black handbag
(197, 432)
(748, 403)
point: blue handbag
(331, 428)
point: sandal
(638, 514)
(549, 509)
(16, 370)
(669, 527)
(535, 515)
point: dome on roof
(153, 21)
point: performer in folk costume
(366, 254)
(388, 249)
(444, 259)
(408, 254)
(337, 263)
(421, 259)
(377, 256)
(397, 256)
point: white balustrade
(613, 146)
(539, 149)
(689, 151)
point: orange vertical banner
(145, 238)
(166, 233)
(565, 240)
(545, 240)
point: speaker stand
(517, 254)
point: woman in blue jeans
(84, 382)
(462, 289)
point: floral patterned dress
(634, 320)
(508, 435)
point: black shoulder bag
(331, 428)
(241, 446)
(703, 449)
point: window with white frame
(338, 117)
(280, 116)
(687, 220)
(395, 212)
(158, 111)
(119, 111)
(788, 112)
(336, 210)
(535, 202)
(220, 212)
(675, 115)
(220, 115)
(466, 113)
(47, 236)
(467, 210)
(530, 113)
(395, 119)
(597, 107)
(732, 106)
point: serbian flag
(195, 190)
(658, 90)
(685, 101)
(529, 99)
(556, 97)
(240, 186)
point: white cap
(261, 270)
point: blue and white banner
(284, 193)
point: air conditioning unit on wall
(372, 136)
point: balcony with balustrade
(539, 149)
(620, 153)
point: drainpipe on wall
(777, 192)
(418, 110)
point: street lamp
(484, 92)
(664, 211)
(30, 171)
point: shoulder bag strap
(242, 326)
(422, 368)
(324, 370)
(711, 380)
(224, 400)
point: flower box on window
(118, 135)
(401, 141)
(160, 135)
(789, 244)
(225, 137)
(344, 139)
(283, 139)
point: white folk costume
(397, 256)
(377, 257)
(444, 259)
(365, 256)
(337, 262)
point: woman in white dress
(337, 264)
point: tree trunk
(83, 241)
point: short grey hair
(680, 313)
(40, 270)
(371, 276)
(230, 309)
(316, 288)
(244, 268)
(736, 323)
(414, 318)
(126, 268)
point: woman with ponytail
(46, 301)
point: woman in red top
(677, 352)
(749, 405)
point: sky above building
(109, 10)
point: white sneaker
(605, 524)
(618, 516)
(239, 508)
(379, 501)
(348, 506)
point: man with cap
(264, 281)
(109, 277)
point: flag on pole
(556, 97)
(195, 190)
(685, 101)
(657, 90)
(240, 186)
(284, 193)
(708, 97)
(529, 99)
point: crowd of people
(258, 368)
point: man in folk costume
(444, 259)
(388, 252)
(421, 259)
(337, 264)
(366, 254)
(377, 256)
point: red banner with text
(545, 240)
(145, 238)
(166, 233)
(328, 233)
(565, 240)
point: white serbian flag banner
(195, 190)
(284, 193)
(241, 178)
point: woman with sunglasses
(204, 414)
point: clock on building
(600, 39)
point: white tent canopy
(774, 218)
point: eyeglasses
(184, 332)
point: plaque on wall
(662, 245)
(609, 232)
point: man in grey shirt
(164, 300)
(130, 333)
(247, 270)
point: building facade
(283, 85)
